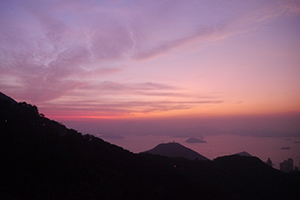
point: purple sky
(110, 62)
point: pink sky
(132, 60)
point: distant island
(194, 140)
(285, 148)
(184, 136)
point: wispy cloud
(125, 99)
(169, 45)
(250, 19)
(121, 108)
(51, 51)
(54, 38)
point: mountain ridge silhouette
(173, 149)
(7, 98)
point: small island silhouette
(194, 140)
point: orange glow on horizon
(193, 113)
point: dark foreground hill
(42, 159)
(173, 149)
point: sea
(277, 149)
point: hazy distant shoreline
(220, 145)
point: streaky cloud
(53, 53)
(169, 45)
(121, 107)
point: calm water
(220, 145)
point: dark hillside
(3, 97)
(42, 159)
(242, 173)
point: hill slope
(173, 149)
(3, 97)
(42, 159)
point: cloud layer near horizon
(88, 55)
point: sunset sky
(106, 60)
